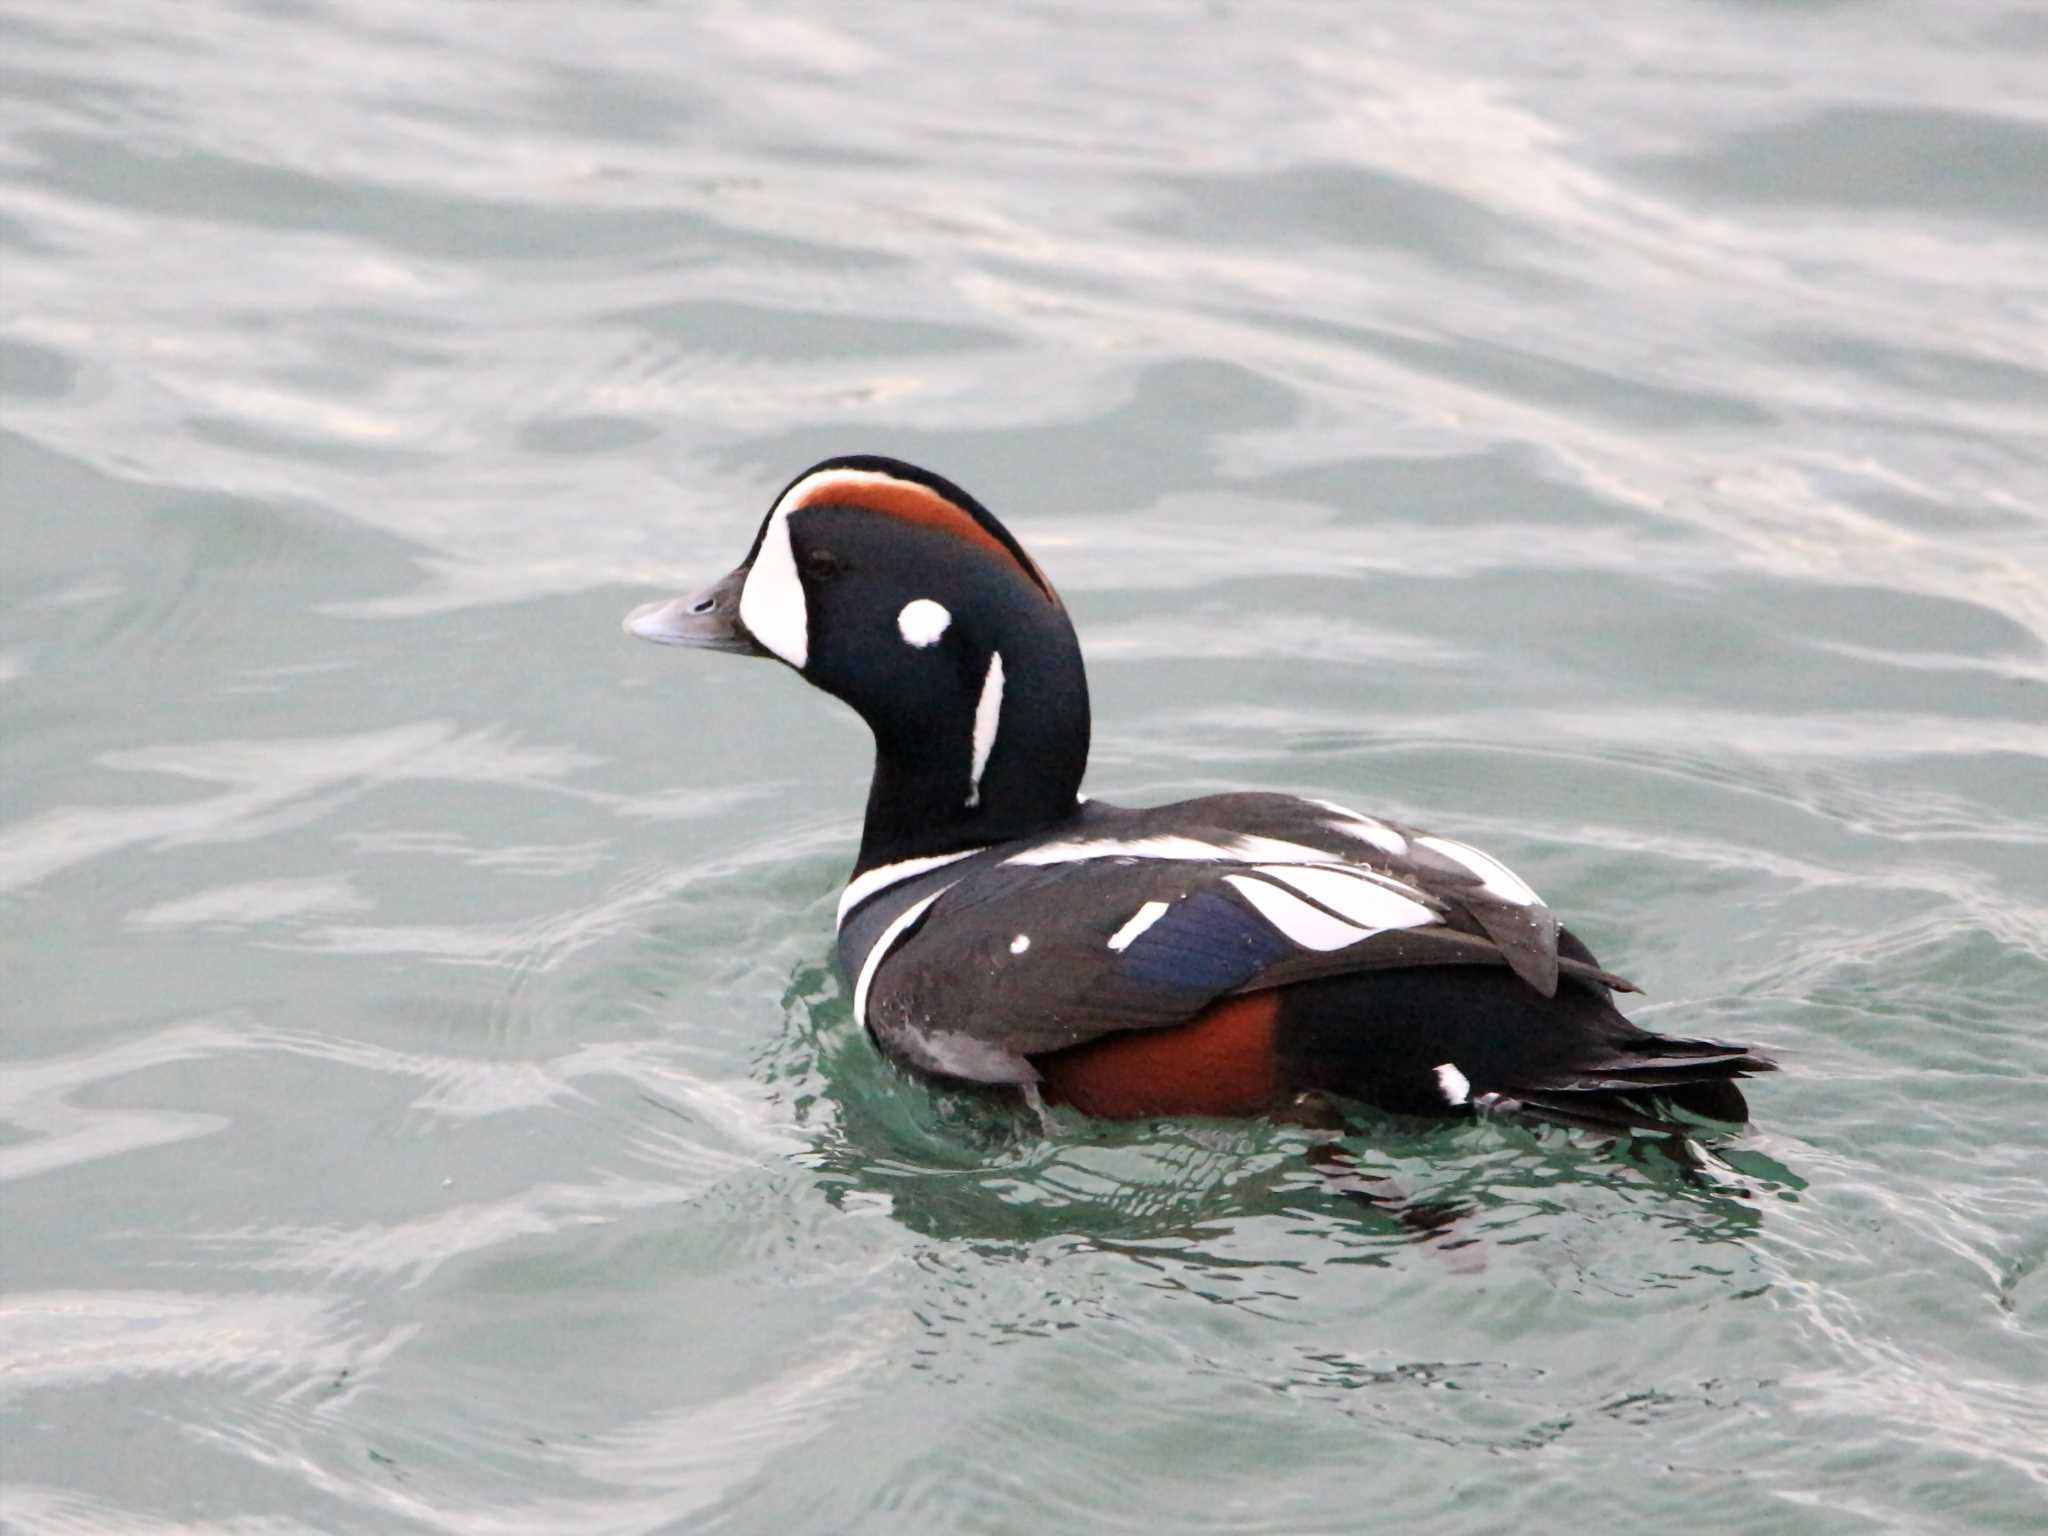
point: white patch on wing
(988, 714)
(922, 622)
(1275, 850)
(1020, 943)
(1494, 875)
(882, 876)
(882, 946)
(1310, 927)
(772, 597)
(1457, 1088)
(1357, 895)
(1242, 850)
(1141, 919)
(1365, 828)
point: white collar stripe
(882, 946)
(874, 881)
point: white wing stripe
(1310, 927)
(1365, 828)
(1242, 850)
(1493, 874)
(1141, 919)
(1357, 897)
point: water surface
(1619, 438)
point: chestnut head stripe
(894, 496)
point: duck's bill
(709, 620)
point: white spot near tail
(1141, 919)
(1457, 1088)
(1020, 943)
(988, 714)
(922, 622)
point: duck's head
(893, 589)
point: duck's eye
(822, 564)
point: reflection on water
(1622, 441)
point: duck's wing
(1142, 922)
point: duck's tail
(1479, 1040)
(1638, 1084)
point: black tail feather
(1431, 1041)
(1649, 1075)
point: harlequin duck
(1218, 956)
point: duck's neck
(1026, 733)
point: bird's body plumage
(1213, 956)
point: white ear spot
(988, 714)
(1020, 943)
(1457, 1088)
(922, 621)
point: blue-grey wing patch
(1204, 943)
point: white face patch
(988, 714)
(1357, 896)
(1141, 919)
(882, 876)
(1310, 927)
(772, 598)
(883, 945)
(1020, 943)
(1457, 1088)
(1494, 875)
(922, 621)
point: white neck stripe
(988, 714)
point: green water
(1617, 437)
